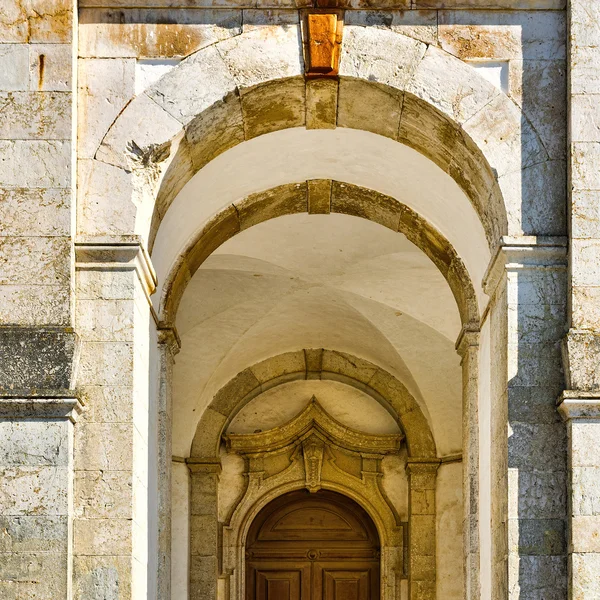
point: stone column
(36, 495)
(113, 437)
(422, 524)
(168, 347)
(468, 349)
(527, 285)
(204, 529)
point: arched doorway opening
(321, 545)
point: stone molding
(312, 363)
(125, 253)
(47, 405)
(525, 252)
(576, 405)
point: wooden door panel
(346, 581)
(278, 581)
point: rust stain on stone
(41, 67)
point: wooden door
(306, 546)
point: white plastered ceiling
(320, 281)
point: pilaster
(36, 503)
(422, 521)
(526, 282)
(116, 436)
(467, 347)
(204, 532)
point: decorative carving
(313, 419)
(312, 449)
(323, 42)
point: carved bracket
(313, 449)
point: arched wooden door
(320, 546)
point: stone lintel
(120, 253)
(577, 405)
(525, 252)
(50, 404)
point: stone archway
(418, 534)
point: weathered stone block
(37, 358)
(321, 103)
(281, 200)
(153, 33)
(367, 204)
(50, 67)
(469, 35)
(42, 576)
(274, 106)
(31, 533)
(34, 490)
(537, 494)
(339, 362)
(362, 105)
(203, 535)
(34, 443)
(102, 577)
(417, 24)
(264, 53)
(585, 568)
(215, 131)
(130, 141)
(41, 260)
(228, 397)
(103, 446)
(319, 196)
(44, 212)
(537, 537)
(103, 494)
(30, 21)
(35, 115)
(422, 532)
(35, 164)
(104, 88)
(14, 67)
(106, 363)
(381, 57)
(197, 83)
(102, 537)
(289, 362)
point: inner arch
(353, 156)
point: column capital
(199, 465)
(422, 466)
(577, 405)
(168, 336)
(60, 404)
(120, 253)
(524, 252)
(467, 338)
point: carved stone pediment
(313, 421)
